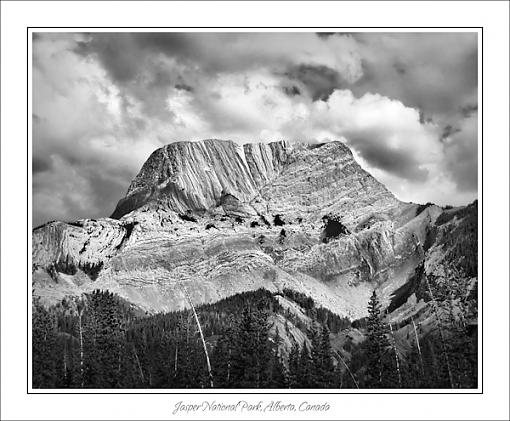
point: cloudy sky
(406, 104)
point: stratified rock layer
(215, 218)
(195, 175)
(298, 180)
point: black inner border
(226, 391)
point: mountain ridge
(221, 222)
(194, 176)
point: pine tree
(250, 360)
(244, 361)
(264, 348)
(104, 341)
(305, 376)
(435, 301)
(377, 344)
(454, 311)
(279, 375)
(44, 346)
(316, 372)
(327, 368)
(294, 369)
(223, 355)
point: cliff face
(299, 180)
(217, 219)
(195, 175)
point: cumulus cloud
(405, 103)
(386, 134)
(79, 131)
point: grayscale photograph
(254, 210)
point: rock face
(195, 175)
(279, 177)
(215, 218)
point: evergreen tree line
(98, 341)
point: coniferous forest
(250, 340)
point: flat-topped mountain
(301, 180)
(217, 218)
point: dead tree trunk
(397, 362)
(175, 359)
(80, 326)
(348, 370)
(139, 365)
(419, 348)
(201, 335)
(65, 359)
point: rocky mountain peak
(252, 179)
(222, 218)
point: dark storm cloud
(434, 72)
(118, 54)
(461, 149)
(39, 164)
(400, 68)
(320, 81)
(468, 110)
(147, 64)
(104, 101)
(423, 118)
(76, 188)
(466, 175)
(184, 87)
(126, 56)
(106, 188)
(325, 34)
(448, 131)
(291, 90)
(395, 161)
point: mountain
(213, 219)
